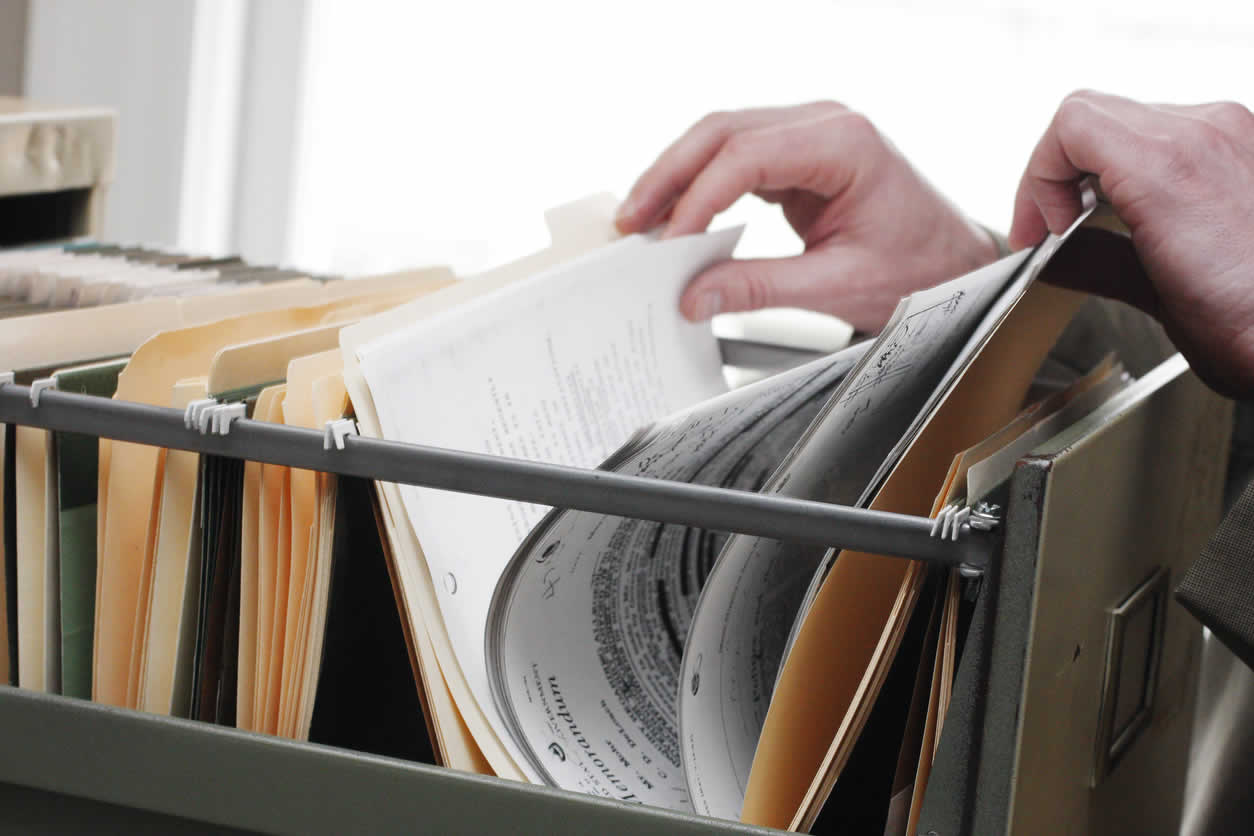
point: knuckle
(1082, 95)
(859, 126)
(1178, 156)
(1207, 137)
(712, 121)
(827, 106)
(1198, 146)
(746, 159)
(743, 145)
(758, 289)
(1236, 115)
(1052, 196)
(1074, 106)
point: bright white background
(437, 132)
(365, 136)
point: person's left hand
(874, 230)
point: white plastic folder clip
(948, 522)
(191, 415)
(336, 432)
(220, 417)
(38, 386)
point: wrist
(979, 246)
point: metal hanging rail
(716, 509)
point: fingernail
(708, 304)
(627, 209)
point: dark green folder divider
(77, 470)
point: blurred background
(365, 136)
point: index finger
(822, 155)
(662, 183)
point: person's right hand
(874, 230)
(1182, 179)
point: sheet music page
(586, 637)
(1034, 261)
(560, 367)
(741, 628)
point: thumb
(805, 281)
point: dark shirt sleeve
(1219, 588)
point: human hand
(874, 230)
(1181, 178)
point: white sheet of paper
(562, 367)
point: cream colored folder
(330, 402)
(172, 590)
(48, 340)
(299, 410)
(133, 475)
(255, 619)
(36, 600)
(273, 533)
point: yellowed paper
(279, 480)
(250, 539)
(330, 403)
(269, 408)
(170, 566)
(144, 595)
(299, 411)
(154, 368)
(32, 599)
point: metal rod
(717, 509)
